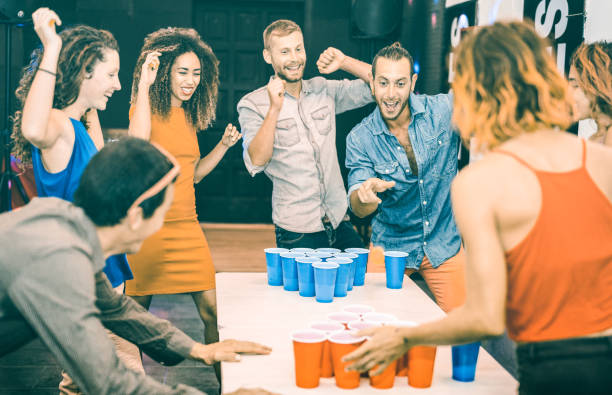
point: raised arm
(333, 59)
(261, 147)
(483, 314)
(39, 126)
(206, 164)
(140, 119)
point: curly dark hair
(172, 42)
(82, 47)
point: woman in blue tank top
(61, 89)
(60, 92)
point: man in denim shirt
(406, 151)
(290, 133)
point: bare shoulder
(481, 177)
(599, 166)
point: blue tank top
(64, 183)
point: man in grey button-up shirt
(289, 130)
(52, 285)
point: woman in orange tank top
(175, 97)
(535, 215)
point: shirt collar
(306, 85)
(416, 107)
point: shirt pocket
(443, 154)
(322, 120)
(387, 171)
(286, 133)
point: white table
(250, 309)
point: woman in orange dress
(174, 95)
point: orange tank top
(560, 274)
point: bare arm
(333, 59)
(483, 314)
(206, 164)
(140, 120)
(38, 125)
(261, 147)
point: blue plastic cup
(361, 264)
(351, 277)
(325, 281)
(395, 264)
(330, 250)
(306, 275)
(464, 361)
(321, 254)
(344, 269)
(274, 265)
(290, 275)
(302, 250)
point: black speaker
(375, 18)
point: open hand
(385, 346)
(226, 351)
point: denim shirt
(306, 179)
(415, 216)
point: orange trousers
(446, 282)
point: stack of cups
(329, 327)
(332, 251)
(395, 265)
(361, 264)
(307, 351)
(464, 361)
(343, 343)
(359, 309)
(302, 250)
(343, 317)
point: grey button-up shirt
(304, 169)
(52, 286)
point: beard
(283, 76)
(401, 107)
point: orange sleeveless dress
(177, 258)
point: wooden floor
(237, 248)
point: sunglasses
(163, 182)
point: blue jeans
(343, 237)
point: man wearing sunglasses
(52, 285)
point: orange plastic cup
(421, 365)
(386, 379)
(402, 366)
(402, 362)
(307, 351)
(329, 327)
(343, 343)
(343, 317)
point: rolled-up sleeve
(358, 163)
(157, 338)
(250, 121)
(56, 297)
(349, 94)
